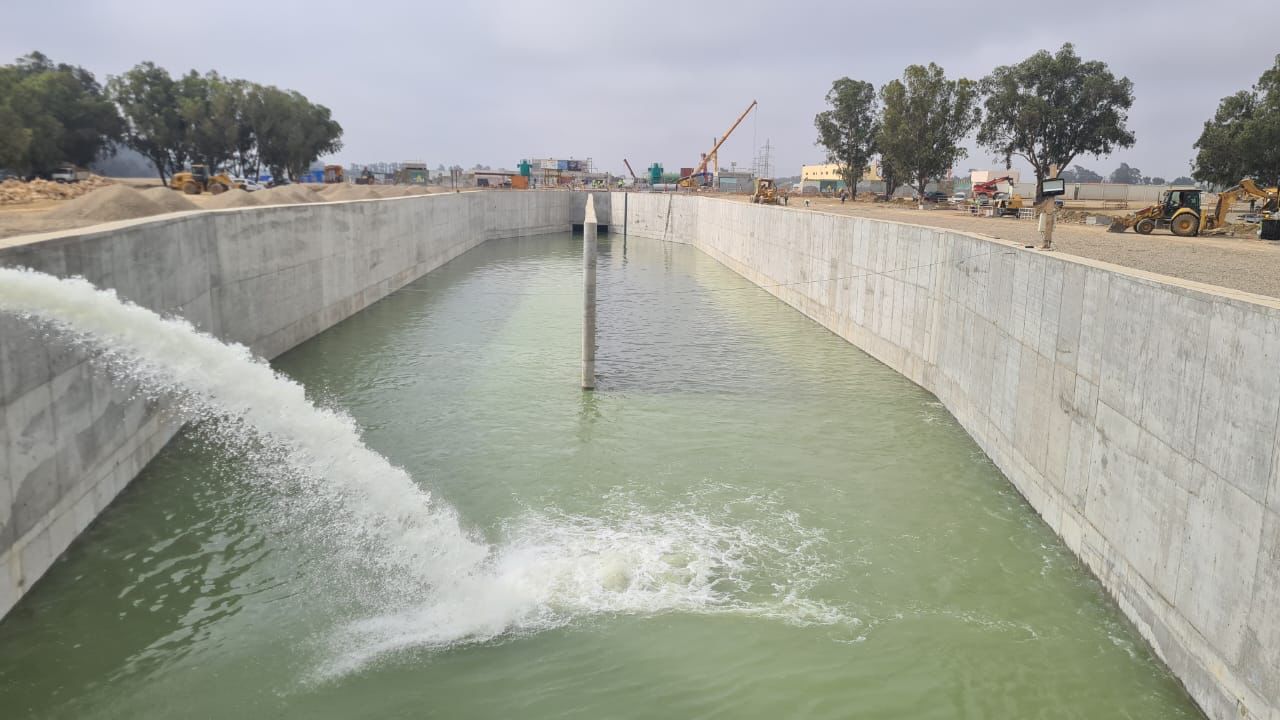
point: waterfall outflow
(447, 586)
(169, 357)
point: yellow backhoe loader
(199, 180)
(1179, 210)
(766, 192)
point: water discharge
(437, 585)
(418, 513)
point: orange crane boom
(702, 166)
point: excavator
(1179, 210)
(691, 180)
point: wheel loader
(198, 180)
(766, 192)
(1179, 210)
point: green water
(866, 560)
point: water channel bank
(1137, 413)
(739, 522)
(268, 278)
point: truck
(68, 174)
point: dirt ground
(1242, 263)
(29, 218)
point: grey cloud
(493, 82)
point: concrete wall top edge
(1164, 281)
(89, 231)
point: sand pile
(170, 200)
(328, 190)
(307, 193)
(17, 192)
(287, 195)
(235, 199)
(417, 190)
(114, 202)
(353, 192)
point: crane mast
(702, 166)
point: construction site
(636, 421)
(1219, 238)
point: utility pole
(589, 296)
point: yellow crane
(702, 166)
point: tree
(889, 174)
(924, 119)
(1243, 137)
(1079, 174)
(1182, 180)
(52, 114)
(211, 109)
(1126, 175)
(1050, 109)
(848, 130)
(291, 131)
(1157, 180)
(148, 98)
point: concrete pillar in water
(589, 296)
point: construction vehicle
(1007, 206)
(334, 174)
(68, 174)
(636, 181)
(1179, 210)
(766, 192)
(366, 178)
(688, 181)
(989, 188)
(198, 181)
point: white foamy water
(450, 587)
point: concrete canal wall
(1138, 414)
(270, 278)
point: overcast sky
(495, 81)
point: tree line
(1242, 139)
(1123, 174)
(1048, 110)
(54, 113)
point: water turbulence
(403, 559)
(419, 512)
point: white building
(981, 176)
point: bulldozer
(366, 178)
(198, 180)
(1179, 210)
(766, 192)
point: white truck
(68, 174)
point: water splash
(437, 585)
